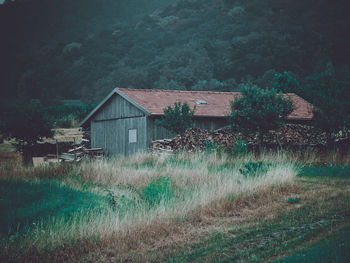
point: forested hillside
(82, 49)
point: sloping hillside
(82, 49)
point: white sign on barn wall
(132, 136)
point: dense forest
(82, 49)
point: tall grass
(146, 189)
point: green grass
(155, 195)
(334, 248)
(326, 171)
(267, 240)
(23, 205)
(289, 230)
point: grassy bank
(186, 207)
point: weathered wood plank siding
(209, 123)
(113, 135)
(117, 108)
(110, 128)
(156, 132)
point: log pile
(290, 135)
(79, 153)
(82, 151)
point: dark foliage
(329, 91)
(56, 49)
(83, 49)
(27, 124)
(177, 118)
(259, 110)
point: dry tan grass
(211, 195)
(202, 183)
(157, 239)
(141, 245)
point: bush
(158, 190)
(258, 110)
(254, 169)
(178, 118)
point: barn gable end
(118, 127)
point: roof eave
(107, 98)
(225, 117)
(195, 116)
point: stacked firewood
(290, 135)
(79, 153)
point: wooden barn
(124, 122)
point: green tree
(331, 98)
(178, 118)
(259, 110)
(26, 125)
(285, 82)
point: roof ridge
(181, 91)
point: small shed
(124, 122)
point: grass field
(187, 207)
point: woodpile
(82, 151)
(288, 136)
(79, 153)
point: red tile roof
(154, 101)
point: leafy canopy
(285, 82)
(178, 118)
(259, 110)
(332, 100)
(26, 124)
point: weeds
(292, 200)
(145, 190)
(253, 169)
(158, 190)
(239, 148)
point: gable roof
(218, 104)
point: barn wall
(110, 128)
(210, 123)
(113, 135)
(156, 132)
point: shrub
(159, 189)
(178, 118)
(259, 110)
(253, 169)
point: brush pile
(288, 136)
